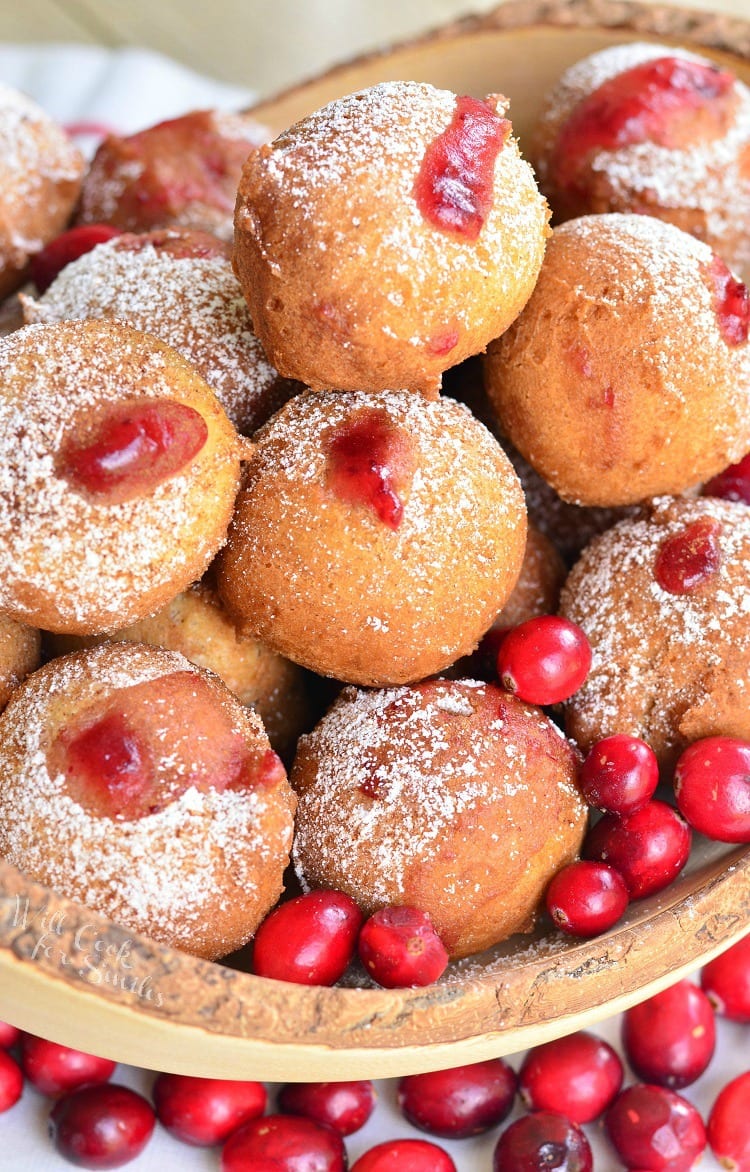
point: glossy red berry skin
(670, 1038)
(544, 660)
(649, 847)
(102, 1126)
(712, 787)
(619, 775)
(289, 1143)
(462, 1101)
(733, 484)
(728, 1128)
(9, 1035)
(400, 948)
(55, 1070)
(310, 939)
(66, 247)
(344, 1106)
(542, 1140)
(651, 1127)
(11, 1081)
(404, 1155)
(726, 982)
(578, 1076)
(205, 1111)
(586, 898)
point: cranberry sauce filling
(657, 101)
(454, 186)
(368, 460)
(132, 448)
(731, 303)
(684, 562)
(138, 750)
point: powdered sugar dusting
(658, 656)
(80, 557)
(192, 303)
(154, 874)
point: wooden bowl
(73, 976)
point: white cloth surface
(130, 89)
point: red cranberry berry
(55, 1069)
(670, 1038)
(578, 1075)
(205, 1111)
(66, 247)
(101, 1126)
(712, 787)
(462, 1101)
(400, 948)
(309, 939)
(648, 847)
(289, 1143)
(11, 1081)
(733, 484)
(542, 1140)
(9, 1035)
(655, 1128)
(726, 982)
(344, 1106)
(728, 1128)
(404, 1155)
(544, 660)
(586, 898)
(619, 775)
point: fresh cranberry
(648, 847)
(287, 1143)
(344, 1106)
(400, 948)
(11, 1081)
(712, 787)
(66, 247)
(309, 939)
(135, 448)
(655, 1128)
(726, 982)
(728, 1127)
(455, 183)
(578, 1075)
(544, 660)
(55, 1069)
(619, 775)
(542, 1140)
(404, 1155)
(689, 558)
(459, 1102)
(586, 898)
(731, 303)
(733, 484)
(101, 1126)
(9, 1035)
(670, 1038)
(205, 1111)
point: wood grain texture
(68, 973)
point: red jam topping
(67, 247)
(368, 461)
(453, 189)
(733, 484)
(657, 101)
(133, 448)
(687, 560)
(118, 761)
(731, 303)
